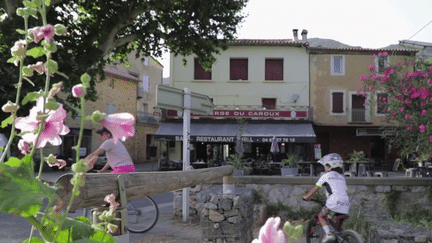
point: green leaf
(7, 121)
(80, 230)
(10, 60)
(36, 52)
(62, 74)
(19, 191)
(22, 32)
(47, 2)
(52, 105)
(1, 149)
(33, 240)
(32, 4)
(31, 96)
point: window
(360, 108)
(381, 62)
(269, 103)
(381, 104)
(274, 69)
(337, 67)
(200, 73)
(110, 108)
(145, 83)
(337, 103)
(238, 69)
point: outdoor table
(312, 167)
(199, 164)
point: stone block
(421, 238)
(235, 219)
(210, 205)
(216, 216)
(225, 204)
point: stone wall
(368, 194)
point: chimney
(295, 32)
(304, 35)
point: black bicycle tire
(310, 225)
(154, 222)
(352, 233)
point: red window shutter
(200, 73)
(239, 69)
(337, 102)
(269, 103)
(274, 69)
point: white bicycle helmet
(333, 160)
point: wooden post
(138, 185)
(228, 184)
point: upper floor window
(381, 62)
(269, 103)
(200, 73)
(238, 69)
(381, 105)
(337, 67)
(337, 102)
(273, 69)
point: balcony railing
(359, 116)
(146, 117)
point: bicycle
(143, 214)
(315, 232)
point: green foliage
(401, 91)
(275, 209)
(236, 160)
(358, 222)
(290, 161)
(257, 197)
(421, 218)
(103, 32)
(19, 191)
(391, 201)
(357, 156)
(292, 231)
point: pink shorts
(124, 169)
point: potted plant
(289, 166)
(237, 161)
(356, 157)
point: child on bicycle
(337, 198)
(118, 157)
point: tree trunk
(138, 185)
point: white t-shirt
(116, 153)
(337, 197)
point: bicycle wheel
(314, 232)
(143, 214)
(350, 236)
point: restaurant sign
(232, 139)
(247, 113)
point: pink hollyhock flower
(46, 32)
(423, 112)
(372, 68)
(408, 116)
(121, 125)
(410, 127)
(39, 67)
(77, 90)
(422, 128)
(54, 126)
(270, 233)
(111, 200)
(23, 146)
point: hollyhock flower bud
(18, 51)
(55, 89)
(60, 29)
(78, 91)
(97, 116)
(85, 80)
(10, 107)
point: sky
(365, 23)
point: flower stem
(19, 85)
